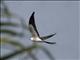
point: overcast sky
(59, 17)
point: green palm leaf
(11, 32)
(8, 24)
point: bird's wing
(48, 36)
(32, 26)
(49, 42)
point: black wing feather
(32, 22)
(46, 37)
(49, 42)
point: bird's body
(35, 35)
(36, 39)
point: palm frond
(13, 33)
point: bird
(35, 37)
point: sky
(60, 17)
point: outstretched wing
(46, 37)
(32, 26)
(49, 42)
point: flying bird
(35, 35)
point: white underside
(35, 36)
(35, 39)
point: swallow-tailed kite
(35, 35)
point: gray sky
(53, 16)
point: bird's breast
(35, 39)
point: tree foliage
(20, 48)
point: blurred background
(60, 17)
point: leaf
(47, 52)
(11, 42)
(32, 56)
(8, 24)
(5, 10)
(28, 49)
(10, 32)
